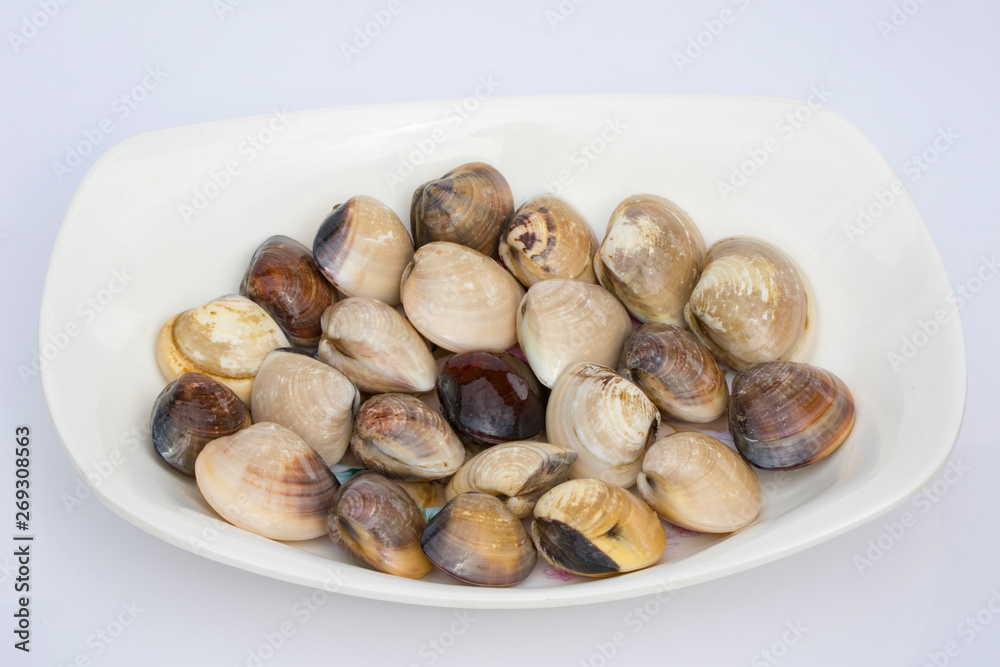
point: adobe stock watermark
(432, 650)
(894, 531)
(87, 310)
(703, 40)
(779, 648)
(32, 24)
(302, 611)
(586, 154)
(967, 630)
(102, 470)
(925, 330)
(785, 129)
(562, 12)
(222, 176)
(636, 620)
(102, 639)
(364, 34)
(451, 119)
(223, 8)
(915, 167)
(121, 108)
(899, 17)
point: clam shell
(469, 205)
(650, 258)
(362, 248)
(785, 415)
(517, 473)
(697, 482)
(283, 280)
(189, 413)
(401, 437)
(595, 529)
(225, 339)
(477, 540)
(426, 494)
(562, 322)
(491, 397)
(676, 371)
(547, 238)
(307, 396)
(376, 347)
(752, 304)
(267, 480)
(460, 299)
(605, 419)
(378, 524)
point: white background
(939, 70)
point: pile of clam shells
(494, 393)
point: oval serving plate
(169, 219)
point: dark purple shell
(189, 413)
(492, 397)
(283, 280)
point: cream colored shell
(752, 303)
(226, 339)
(461, 299)
(650, 258)
(605, 418)
(548, 238)
(697, 482)
(376, 347)
(562, 322)
(307, 396)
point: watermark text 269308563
(22, 542)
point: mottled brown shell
(547, 238)
(469, 205)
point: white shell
(562, 322)
(226, 339)
(307, 396)
(267, 480)
(461, 299)
(375, 347)
(605, 418)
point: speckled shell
(650, 258)
(307, 396)
(477, 540)
(469, 205)
(362, 248)
(547, 238)
(752, 303)
(460, 299)
(225, 339)
(605, 419)
(562, 322)
(676, 371)
(378, 524)
(697, 482)
(595, 529)
(785, 415)
(267, 480)
(517, 473)
(283, 280)
(189, 413)
(401, 437)
(376, 347)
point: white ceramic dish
(130, 255)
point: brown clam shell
(785, 415)
(283, 280)
(469, 205)
(548, 238)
